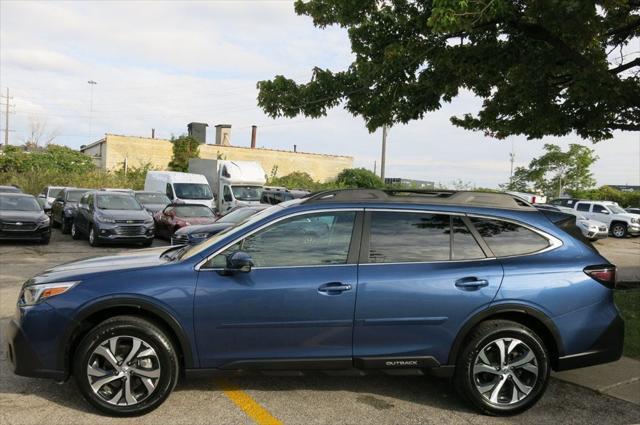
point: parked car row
(620, 222)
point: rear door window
(583, 207)
(464, 245)
(508, 239)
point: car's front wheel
(93, 237)
(75, 233)
(126, 366)
(65, 226)
(503, 369)
(619, 230)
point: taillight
(533, 199)
(603, 274)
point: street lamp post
(91, 84)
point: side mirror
(239, 261)
(605, 212)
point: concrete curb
(619, 379)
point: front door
(294, 309)
(421, 276)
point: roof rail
(475, 198)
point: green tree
(358, 177)
(295, 180)
(64, 159)
(542, 67)
(557, 171)
(184, 148)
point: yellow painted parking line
(249, 406)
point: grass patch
(628, 301)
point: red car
(174, 217)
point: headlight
(200, 235)
(148, 221)
(104, 219)
(34, 294)
(44, 220)
(635, 220)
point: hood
(197, 220)
(112, 263)
(154, 208)
(204, 228)
(125, 214)
(21, 215)
(590, 222)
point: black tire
(147, 244)
(54, 223)
(469, 383)
(127, 328)
(45, 240)
(93, 237)
(619, 230)
(75, 233)
(65, 227)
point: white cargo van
(180, 187)
(233, 183)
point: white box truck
(180, 187)
(233, 182)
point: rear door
(421, 276)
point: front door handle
(471, 283)
(334, 288)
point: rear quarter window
(509, 239)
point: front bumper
(598, 234)
(25, 235)
(633, 229)
(125, 233)
(23, 354)
(607, 348)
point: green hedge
(608, 193)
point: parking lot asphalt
(312, 399)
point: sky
(161, 65)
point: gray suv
(112, 217)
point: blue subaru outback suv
(479, 287)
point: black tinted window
(465, 246)
(506, 239)
(583, 207)
(398, 237)
(599, 209)
(314, 239)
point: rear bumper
(607, 348)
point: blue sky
(164, 64)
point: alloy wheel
(92, 236)
(123, 370)
(505, 371)
(618, 231)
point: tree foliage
(296, 180)
(358, 177)
(184, 148)
(15, 159)
(542, 67)
(556, 171)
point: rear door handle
(334, 288)
(471, 283)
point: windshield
(192, 191)
(54, 192)
(616, 209)
(193, 211)
(117, 202)
(152, 198)
(196, 249)
(238, 215)
(19, 203)
(75, 195)
(247, 193)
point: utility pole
(375, 167)
(6, 119)
(91, 83)
(384, 151)
(512, 158)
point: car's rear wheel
(126, 366)
(503, 369)
(75, 233)
(619, 230)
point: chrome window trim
(198, 266)
(553, 241)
